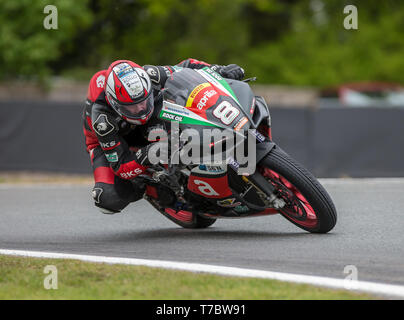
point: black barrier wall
(337, 142)
(42, 137)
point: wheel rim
(298, 208)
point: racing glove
(153, 153)
(231, 71)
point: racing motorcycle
(195, 195)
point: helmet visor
(134, 111)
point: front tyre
(308, 205)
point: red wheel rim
(298, 208)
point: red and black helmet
(128, 90)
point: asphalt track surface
(369, 233)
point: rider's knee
(107, 199)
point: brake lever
(250, 79)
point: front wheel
(308, 205)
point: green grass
(23, 278)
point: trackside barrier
(331, 142)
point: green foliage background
(296, 42)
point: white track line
(361, 181)
(363, 286)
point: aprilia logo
(205, 188)
(207, 95)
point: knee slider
(107, 200)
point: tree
(26, 47)
(321, 52)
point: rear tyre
(201, 222)
(309, 206)
(185, 219)
(197, 222)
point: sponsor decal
(205, 188)
(131, 174)
(228, 203)
(168, 71)
(112, 157)
(233, 163)
(102, 126)
(218, 81)
(214, 74)
(133, 79)
(195, 92)
(206, 96)
(123, 69)
(106, 145)
(154, 74)
(189, 117)
(215, 68)
(176, 108)
(212, 187)
(100, 81)
(152, 71)
(133, 84)
(205, 167)
(260, 137)
(241, 209)
(171, 117)
(240, 124)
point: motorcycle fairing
(208, 183)
(182, 94)
(174, 112)
(203, 91)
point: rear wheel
(308, 205)
(187, 219)
(183, 218)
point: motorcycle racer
(120, 109)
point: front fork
(266, 190)
(265, 128)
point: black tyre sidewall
(197, 222)
(280, 162)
